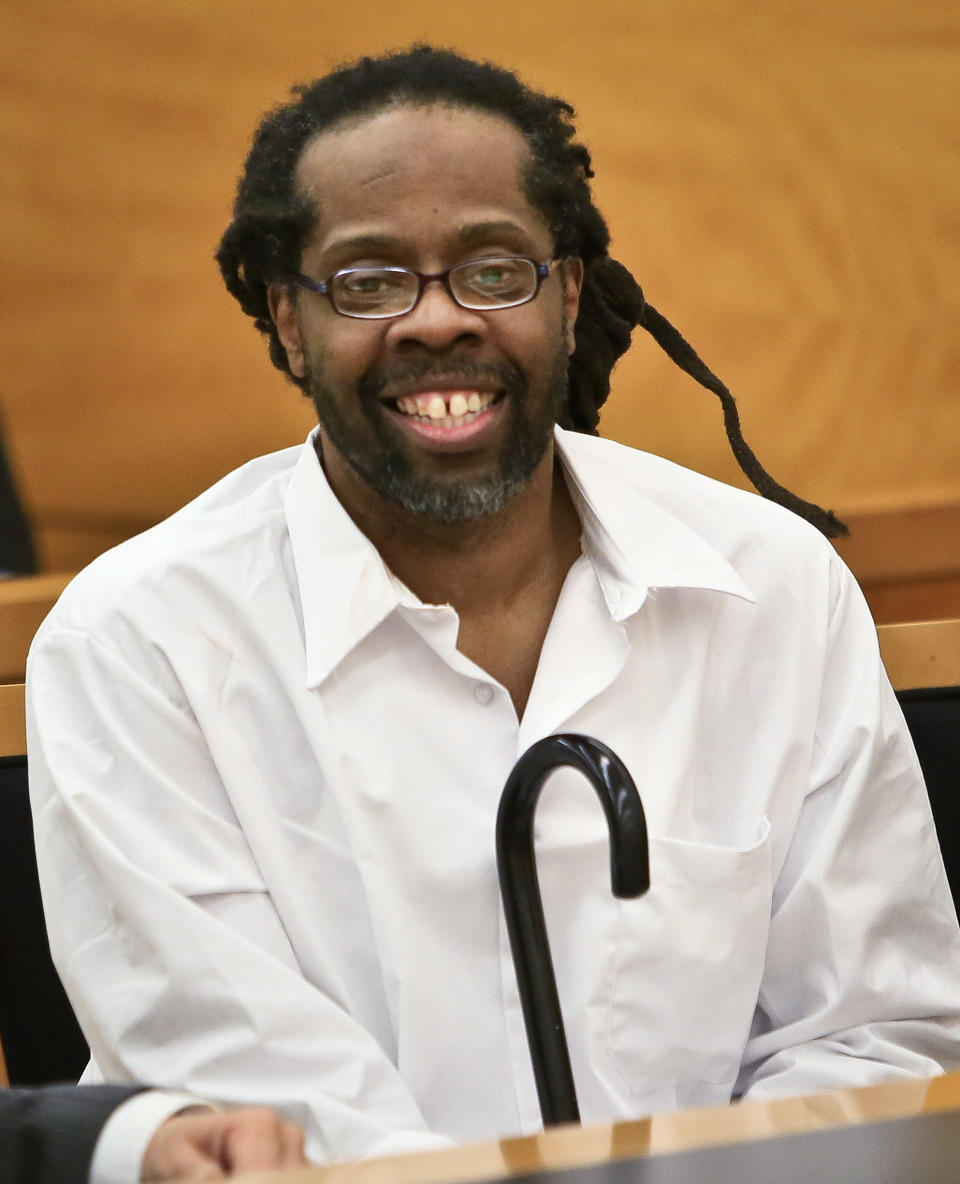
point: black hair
(272, 219)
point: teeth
(451, 411)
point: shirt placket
(584, 652)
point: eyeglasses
(376, 293)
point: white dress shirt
(265, 783)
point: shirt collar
(346, 590)
(634, 542)
(345, 587)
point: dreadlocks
(271, 221)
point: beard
(380, 457)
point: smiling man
(438, 366)
(268, 737)
(459, 438)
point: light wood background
(782, 177)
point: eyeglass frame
(323, 287)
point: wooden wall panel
(781, 177)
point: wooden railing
(24, 602)
(921, 653)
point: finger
(253, 1141)
(291, 1146)
(175, 1153)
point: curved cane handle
(523, 907)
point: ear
(282, 301)
(571, 274)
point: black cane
(523, 908)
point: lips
(451, 404)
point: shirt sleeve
(862, 975)
(118, 1155)
(167, 940)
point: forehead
(409, 172)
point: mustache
(373, 382)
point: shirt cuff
(406, 1142)
(119, 1152)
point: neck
(479, 565)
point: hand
(206, 1145)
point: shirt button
(483, 693)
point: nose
(437, 321)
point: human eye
(493, 277)
(359, 288)
(363, 282)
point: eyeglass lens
(483, 283)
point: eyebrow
(476, 232)
(364, 242)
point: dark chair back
(39, 1034)
(923, 661)
(933, 717)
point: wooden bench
(24, 602)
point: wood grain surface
(568, 1147)
(13, 727)
(921, 653)
(781, 177)
(23, 605)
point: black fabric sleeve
(48, 1135)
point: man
(268, 737)
(110, 1134)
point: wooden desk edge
(685, 1130)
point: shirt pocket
(688, 961)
